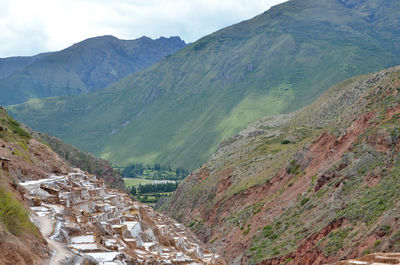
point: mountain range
(85, 66)
(176, 112)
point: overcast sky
(29, 27)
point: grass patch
(15, 127)
(14, 216)
(293, 168)
(268, 232)
(377, 243)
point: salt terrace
(106, 226)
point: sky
(30, 27)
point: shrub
(192, 223)
(366, 252)
(384, 229)
(269, 233)
(287, 261)
(304, 201)
(293, 168)
(285, 141)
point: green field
(129, 182)
(149, 198)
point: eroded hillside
(311, 187)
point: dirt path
(46, 226)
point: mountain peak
(98, 38)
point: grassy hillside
(86, 66)
(177, 111)
(310, 187)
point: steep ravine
(312, 187)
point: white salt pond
(82, 239)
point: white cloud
(29, 27)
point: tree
(133, 191)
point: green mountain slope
(86, 66)
(177, 111)
(310, 187)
